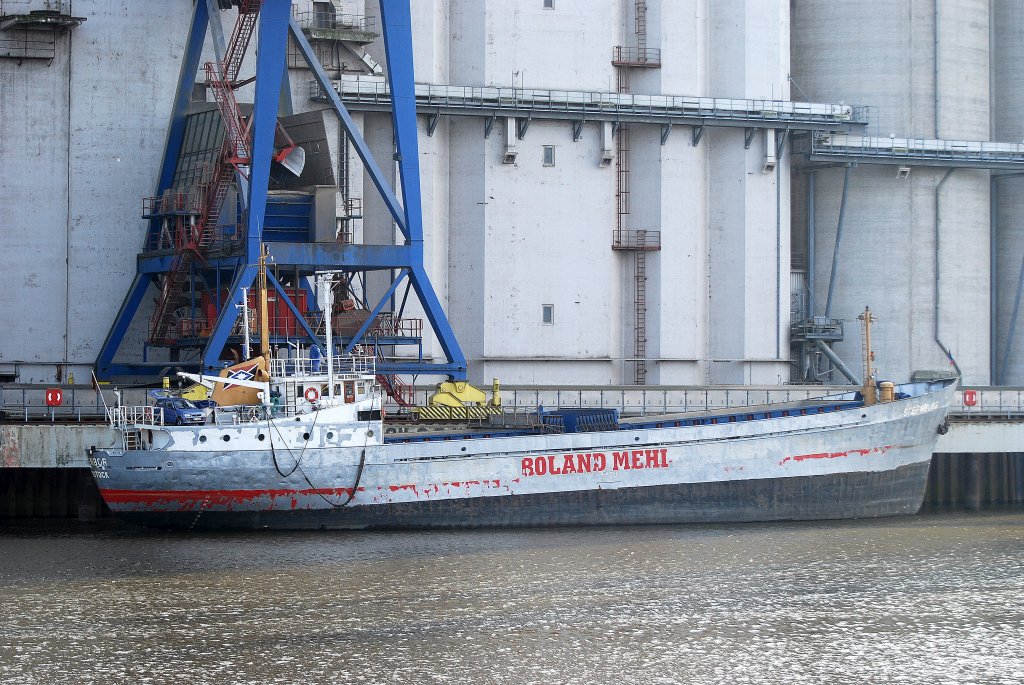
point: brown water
(931, 599)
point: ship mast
(264, 317)
(328, 281)
(868, 389)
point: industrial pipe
(839, 237)
(843, 369)
(809, 308)
(938, 215)
(993, 275)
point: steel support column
(839, 238)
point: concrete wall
(82, 138)
(524, 235)
(51, 446)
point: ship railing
(241, 414)
(356, 365)
(127, 416)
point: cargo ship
(312, 453)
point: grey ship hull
(859, 462)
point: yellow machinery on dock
(460, 401)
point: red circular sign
(54, 397)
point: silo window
(547, 314)
(549, 155)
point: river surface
(928, 599)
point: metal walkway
(838, 147)
(368, 94)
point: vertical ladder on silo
(640, 315)
(641, 27)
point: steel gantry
(182, 258)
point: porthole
(369, 433)
(261, 437)
(330, 435)
(636, 439)
(305, 436)
(202, 438)
(226, 438)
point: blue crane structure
(192, 260)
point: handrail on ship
(344, 365)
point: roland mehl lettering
(592, 462)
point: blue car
(180, 411)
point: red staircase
(248, 13)
(234, 155)
(401, 392)
(397, 389)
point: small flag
(246, 373)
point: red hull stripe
(211, 496)
(189, 498)
(835, 455)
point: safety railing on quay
(29, 405)
(988, 404)
(83, 404)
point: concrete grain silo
(915, 238)
(523, 213)
(1008, 191)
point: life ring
(312, 394)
